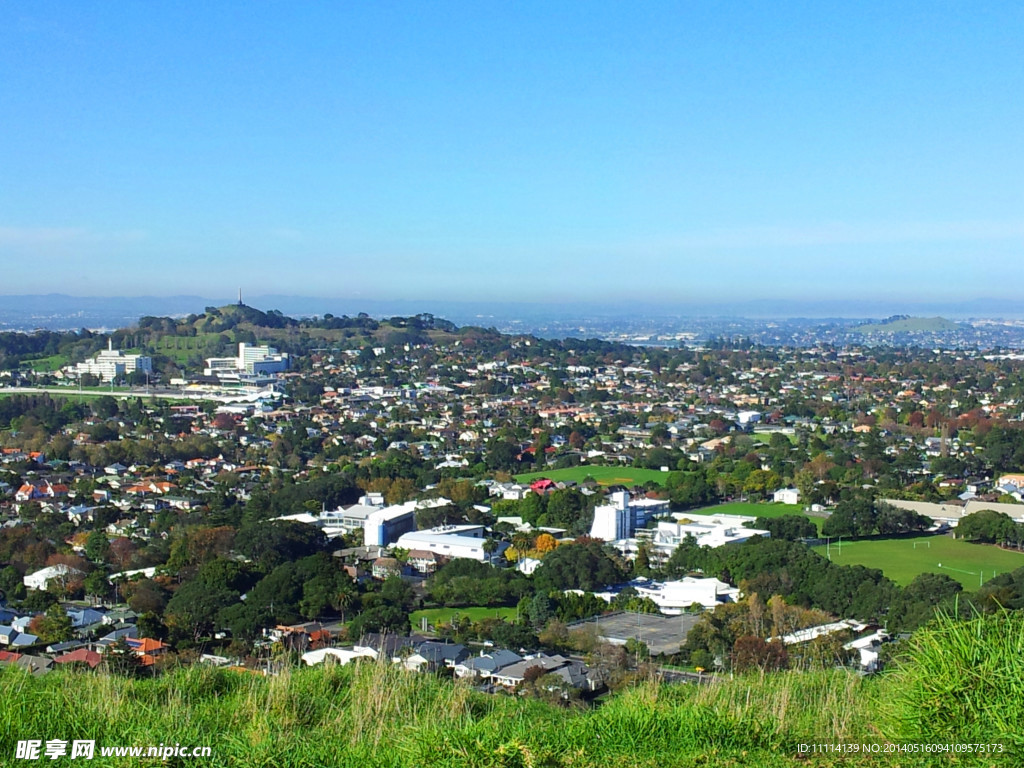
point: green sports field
(751, 509)
(444, 615)
(603, 475)
(903, 559)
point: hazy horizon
(461, 311)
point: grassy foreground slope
(964, 684)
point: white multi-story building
(707, 530)
(384, 526)
(112, 364)
(622, 517)
(252, 360)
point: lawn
(903, 559)
(181, 348)
(603, 475)
(751, 509)
(437, 616)
(46, 364)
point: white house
(786, 496)
(39, 579)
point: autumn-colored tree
(751, 652)
(545, 543)
(54, 626)
(223, 421)
(820, 466)
(401, 490)
(122, 549)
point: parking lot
(662, 634)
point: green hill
(903, 324)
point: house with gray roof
(486, 664)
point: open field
(444, 615)
(46, 364)
(751, 509)
(903, 559)
(181, 348)
(603, 475)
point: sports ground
(603, 475)
(905, 558)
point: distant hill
(906, 324)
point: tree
(120, 659)
(546, 543)
(96, 584)
(892, 520)
(541, 609)
(193, 611)
(988, 526)
(761, 482)
(750, 652)
(97, 546)
(915, 605)
(52, 627)
(121, 551)
(279, 541)
(578, 566)
(852, 517)
(787, 527)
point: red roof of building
(82, 656)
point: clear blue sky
(514, 151)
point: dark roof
(493, 661)
(433, 651)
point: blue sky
(514, 151)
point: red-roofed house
(542, 485)
(81, 656)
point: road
(161, 393)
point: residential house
(432, 656)
(486, 664)
(786, 496)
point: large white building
(451, 541)
(707, 530)
(622, 517)
(112, 364)
(675, 597)
(252, 360)
(384, 526)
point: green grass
(181, 348)
(959, 683)
(603, 475)
(437, 616)
(46, 364)
(86, 395)
(765, 509)
(908, 325)
(962, 681)
(904, 559)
